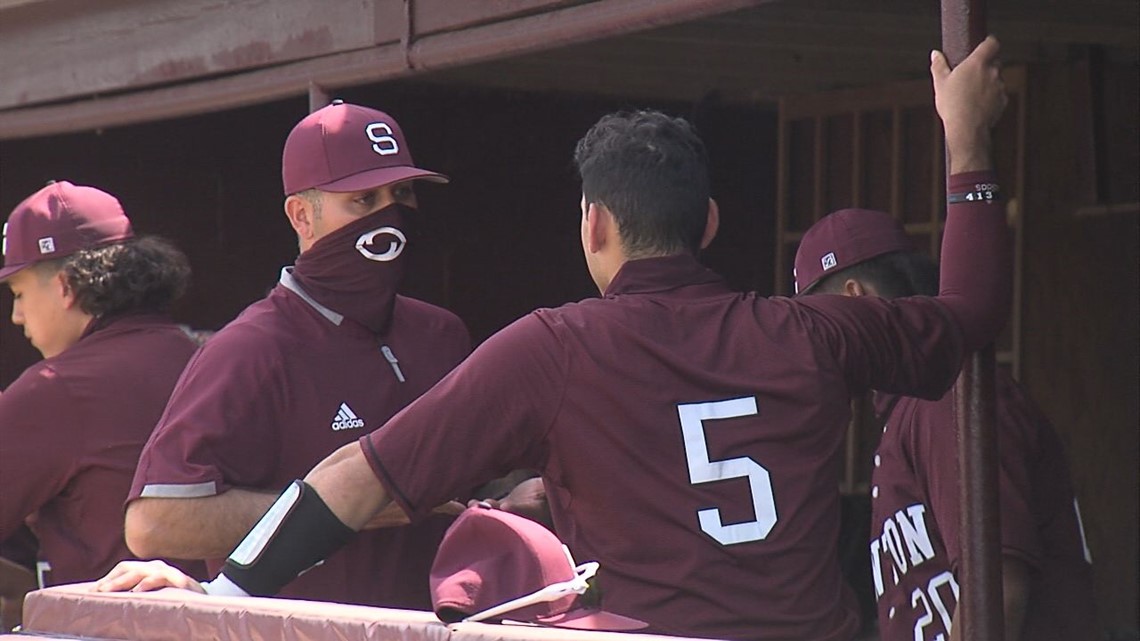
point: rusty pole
(980, 612)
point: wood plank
(356, 67)
(432, 16)
(561, 27)
(370, 65)
(117, 45)
(11, 4)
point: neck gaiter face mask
(356, 269)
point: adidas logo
(346, 419)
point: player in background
(93, 299)
(687, 435)
(298, 374)
(915, 540)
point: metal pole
(980, 612)
(318, 97)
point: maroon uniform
(71, 430)
(916, 543)
(281, 387)
(688, 435)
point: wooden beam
(64, 50)
(578, 23)
(561, 27)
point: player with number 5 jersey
(688, 435)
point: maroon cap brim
(379, 177)
(592, 619)
(8, 271)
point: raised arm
(976, 254)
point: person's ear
(596, 225)
(712, 224)
(63, 288)
(854, 288)
(299, 211)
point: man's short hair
(139, 275)
(893, 275)
(651, 172)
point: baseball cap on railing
(494, 565)
(58, 221)
(845, 238)
(345, 147)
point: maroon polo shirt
(915, 539)
(283, 386)
(71, 430)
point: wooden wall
(502, 237)
(1082, 316)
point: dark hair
(651, 172)
(139, 275)
(893, 275)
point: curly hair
(651, 171)
(139, 275)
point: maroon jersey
(283, 386)
(71, 430)
(915, 540)
(689, 436)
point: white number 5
(702, 470)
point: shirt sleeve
(908, 346)
(217, 431)
(488, 416)
(977, 259)
(39, 445)
(915, 346)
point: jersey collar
(660, 274)
(290, 283)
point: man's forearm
(193, 528)
(346, 483)
(977, 257)
(307, 522)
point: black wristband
(982, 192)
(297, 532)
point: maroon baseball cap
(845, 238)
(58, 221)
(345, 147)
(494, 565)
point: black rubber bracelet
(985, 193)
(297, 532)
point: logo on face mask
(395, 246)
